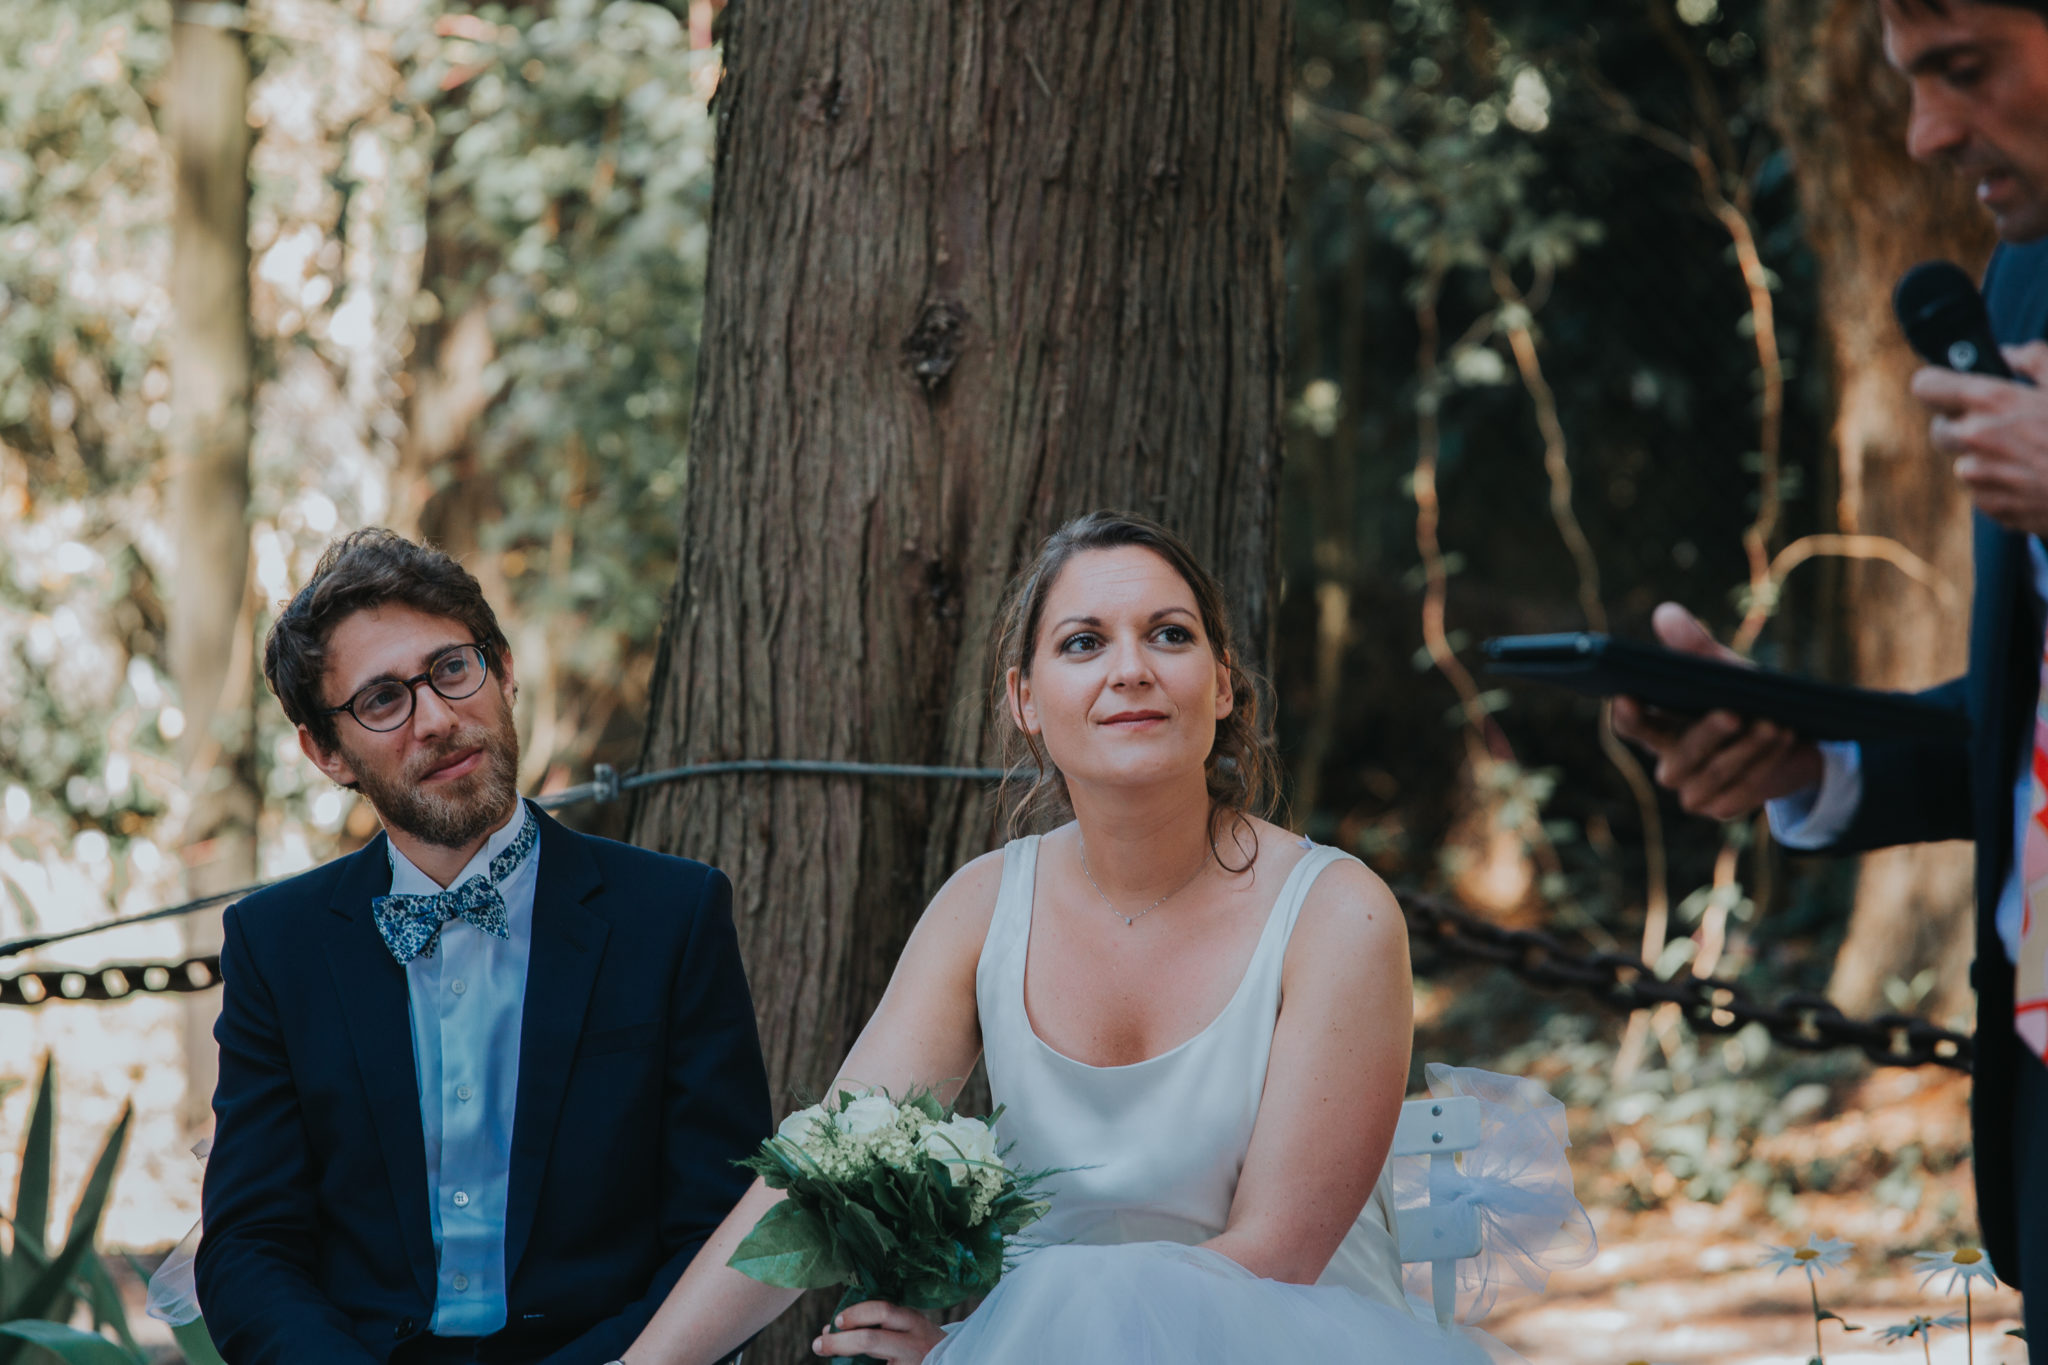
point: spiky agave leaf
(52, 1284)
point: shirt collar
(408, 880)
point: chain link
(1809, 1023)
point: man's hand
(1998, 432)
(1720, 765)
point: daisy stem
(1969, 1328)
(1814, 1292)
(1926, 1346)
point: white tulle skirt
(1162, 1303)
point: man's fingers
(2030, 360)
(1951, 391)
(1738, 779)
(1945, 434)
(1676, 628)
(1634, 722)
(1681, 762)
(1979, 474)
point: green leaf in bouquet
(68, 1344)
(928, 1104)
(780, 1164)
(885, 1196)
(867, 1241)
(790, 1248)
(933, 1295)
(984, 1241)
(1013, 1215)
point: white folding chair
(1439, 1233)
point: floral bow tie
(411, 925)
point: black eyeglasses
(387, 704)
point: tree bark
(211, 623)
(976, 267)
(1871, 213)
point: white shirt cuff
(1816, 817)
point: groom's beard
(452, 814)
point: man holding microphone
(1978, 70)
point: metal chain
(114, 982)
(1807, 1022)
(1439, 929)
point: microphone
(1945, 322)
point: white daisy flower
(1817, 1257)
(1918, 1326)
(1966, 1263)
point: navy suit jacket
(640, 1083)
(1964, 789)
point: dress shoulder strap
(1294, 893)
(1009, 926)
(1261, 987)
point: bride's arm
(925, 1032)
(1334, 1085)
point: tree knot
(822, 102)
(934, 345)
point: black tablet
(1601, 666)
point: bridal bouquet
(902, 1201)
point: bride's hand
(881, 1330)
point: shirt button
(458, 985)
(461, 1202)
(463, 1092)
(461, 1282)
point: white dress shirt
(467, 1001)
(1813, 818)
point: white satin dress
(1113, 1274)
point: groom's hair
(1242, 770)
(363, 570)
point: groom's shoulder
(280, 909)
(662, 877)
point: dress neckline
(1030, 890)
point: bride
(1205, 1017)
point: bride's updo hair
(1241, 766)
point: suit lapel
(378, 1012)
(568, 945)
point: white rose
(801, 1127)
(958, 1142)
(866, 1116)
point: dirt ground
(1682, 1284)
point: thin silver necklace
(1130, 920)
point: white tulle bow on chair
(1513, 1181)
(173, 1292)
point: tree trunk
(976, 267)
(1871, 213)
(210, 630)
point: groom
(482, 1083)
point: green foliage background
(417, 160)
